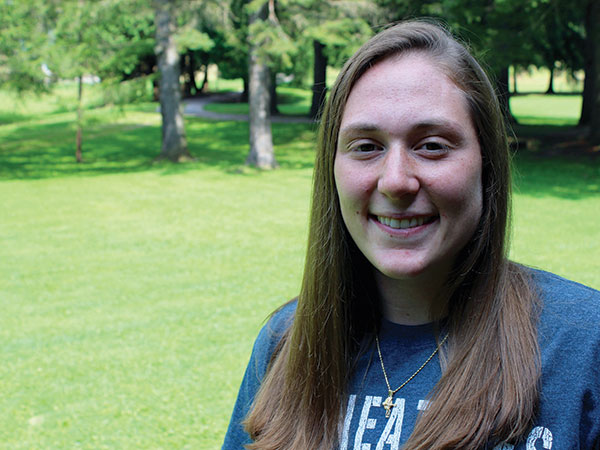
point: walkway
(195, 107)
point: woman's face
(408, 168)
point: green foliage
(101, 38)
(275, 47)
(23, 44)
(192, 39)
(507, 32)
(285, 37)
(135, 90)
(340, 26)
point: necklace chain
(388, 404)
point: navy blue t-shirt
(569, 339)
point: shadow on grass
(570, 178)
(48, 150)
(556, 161)
(6, 118)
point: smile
(402, 224)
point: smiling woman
(408, 177)
(412, 328)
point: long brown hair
(489, 387)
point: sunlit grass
(556, 212)
(537, 109)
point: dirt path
(195, 107)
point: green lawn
(537, 109)
(132, 291)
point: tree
(174, 143)
(329, 32)
(319, 88)
(557, 37)
(232, 57)
(78, 49)
(198, 24)
(262, 153)
(70, 41)
(24, 44)
(593, 40)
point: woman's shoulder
(567, 298)
(569, 338)
(269, 337)
(279, 322)
(570, 312)
(266, 343)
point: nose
(398, 175)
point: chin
(401, 273)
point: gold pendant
(389, 404)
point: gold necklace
(388, 404)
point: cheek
(469, 193)
(459, 191)
(348, 185)
(353, 197)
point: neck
(410, 301)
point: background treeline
(128, 43)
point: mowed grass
(538, 109)
(132, 290)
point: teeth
(401, 224)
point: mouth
(404, 224)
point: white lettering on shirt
(365, 423)
(347, 421)
(539, 437)
(396, 418)
(539, 433)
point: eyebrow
(446, 125)
(361, 126)
(437, 124)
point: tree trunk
(78, 150)
(319, 89)
(502, 80)
(262, 153)
(204, 85)
(174, 144)
(594, 41)
(588, 68)
(550, 89)
(245, 89)
(78, 138)
(514, 79)
(155, 89)
(190, 88)
(273, 93)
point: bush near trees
(116, 40)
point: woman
(412, 329)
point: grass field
(132, 291)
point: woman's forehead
(404, 89)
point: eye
(433, 149)
(365, 147)
(434, 146)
